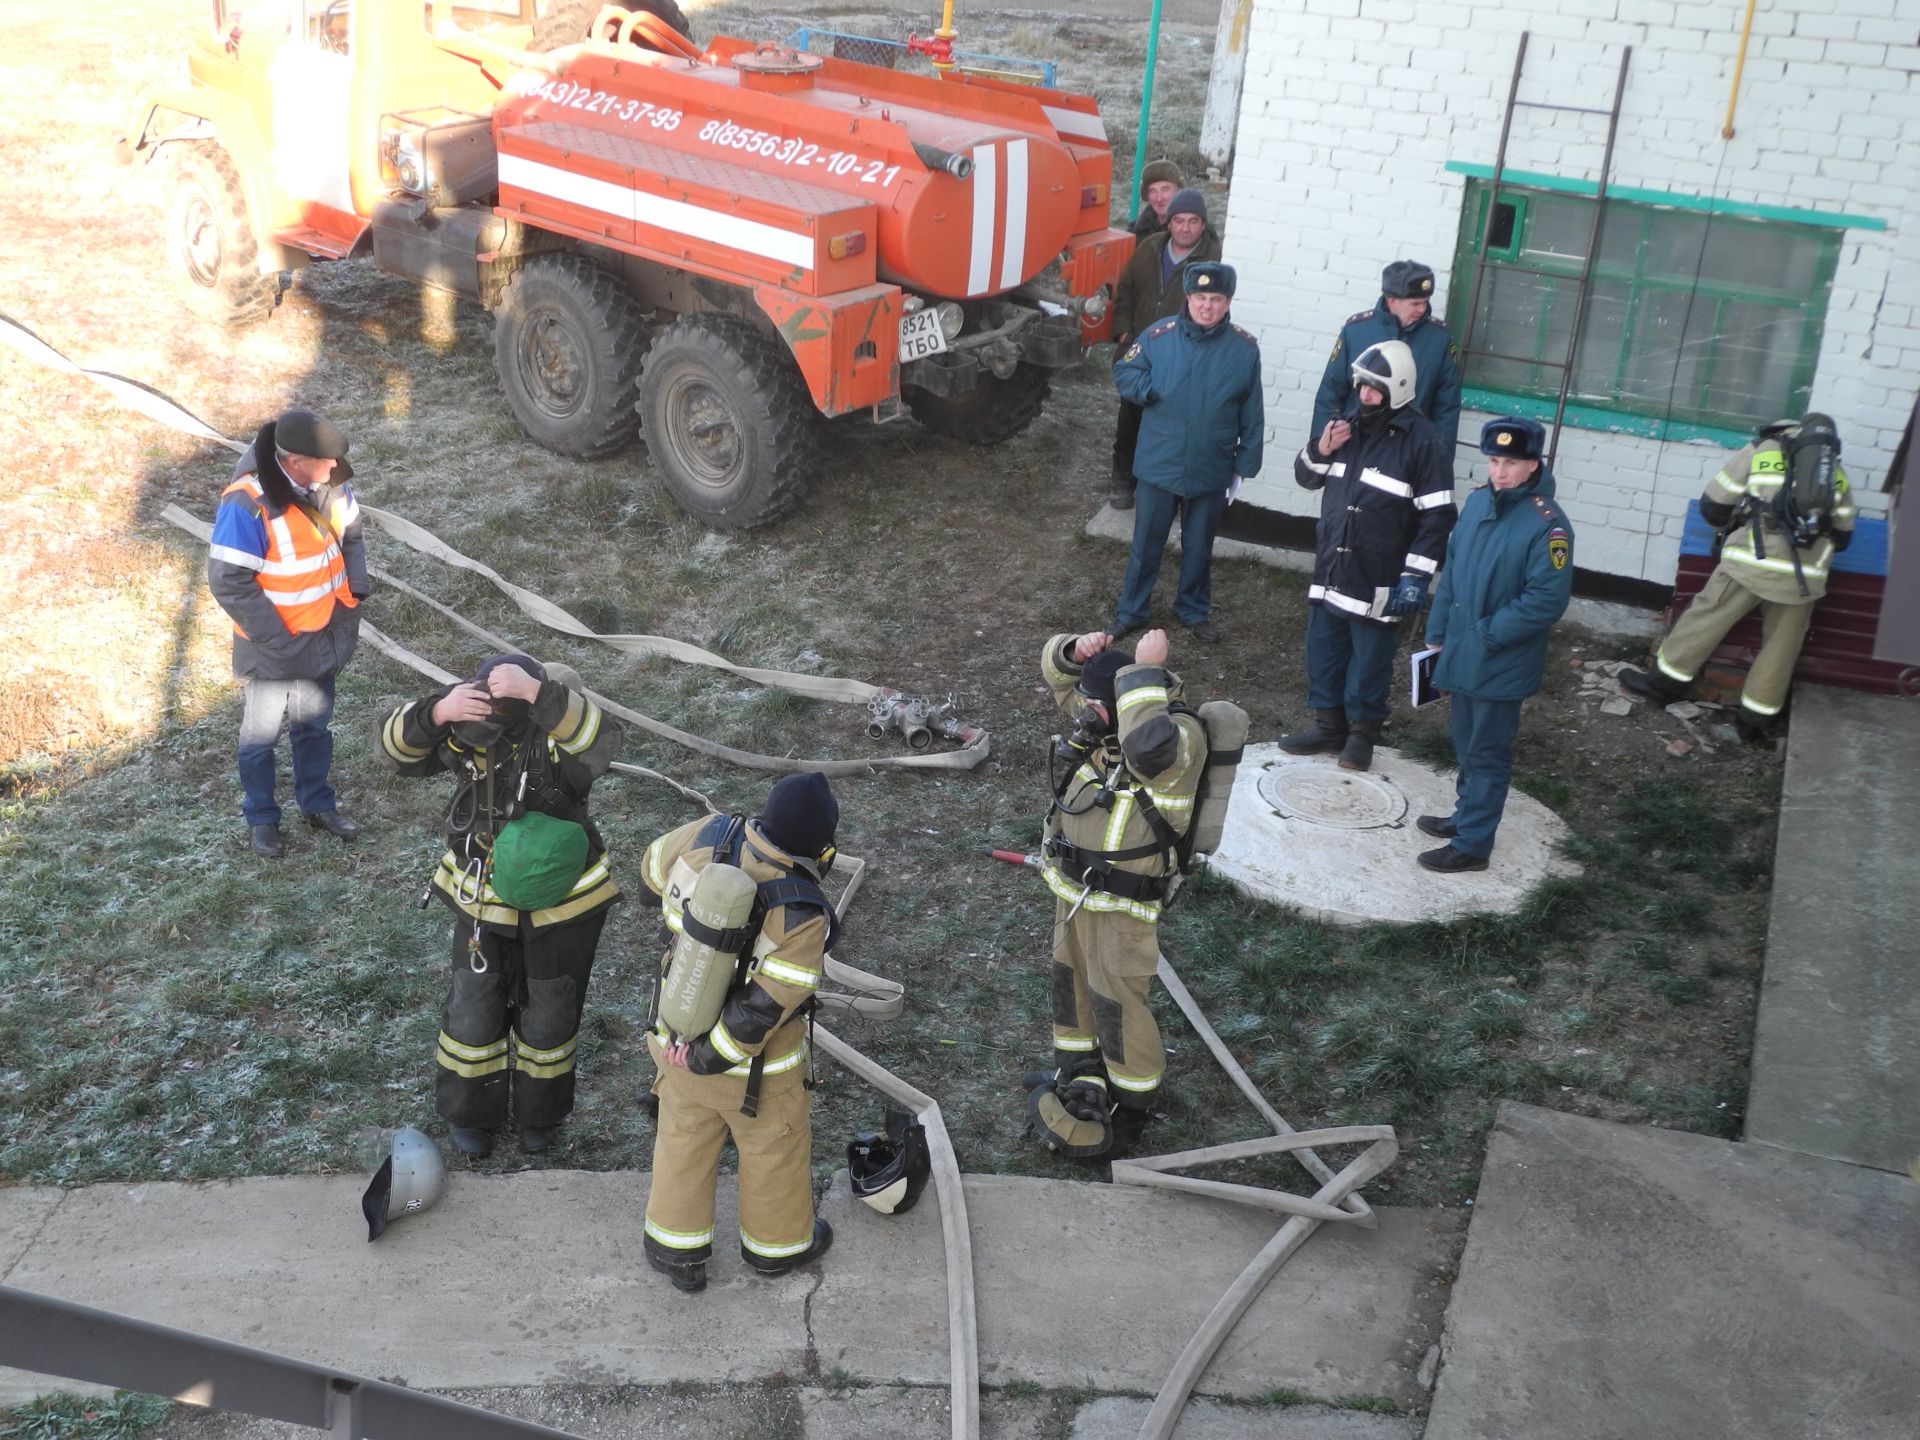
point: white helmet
(410, 1178)
(1388, 367)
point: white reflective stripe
(1013, 261)
(1433, 501)
(282, 536)
(1813, 562)
(1146, 694)
(774, 1252)
(344, 513)
(286, 600)
(472, 1052)
(589, 731)
(307, 566)
(1075, 122)
(774, 1067)
(798, 976)
(1165, 803)
(1345, 602)
(1117, 821)
(1306, 459)
(236, 557)
(1756, 706)
(655, 874)
(545, 1057)
(1316, 592)
(786, 246)
(1075, 1043)
(1669, 671)
(1727, 483)
(1382, 481)
(1138, 1087)
(1339, 467)
(1102, 902)
(591, 877)
(680, 1239)
(724, 1043)
(986, 198)
(1422, 565)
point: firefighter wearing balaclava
(1124, 779)
(1783, 510)
(745, 1076)
(1386, 508)
(526, 875)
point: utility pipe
(1146, 107)
(1739, 64)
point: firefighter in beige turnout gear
(1761, 563)
(747, 1076)
(1132, 767)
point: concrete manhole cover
(1321, 794)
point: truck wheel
(567, 342)
(994, 410)
(728, 421)
(565, 22)
(210, 239)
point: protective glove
(1408, 596)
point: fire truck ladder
(1468, 350)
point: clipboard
(1420, 686)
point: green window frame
(1698, 324)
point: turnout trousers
(517, 1022)
(1483, 734)
(1350, 665)
(1103, 963)
(1721, 604)
(697, 1114)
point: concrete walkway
(539, 1278)
(1836, 1059)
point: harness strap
(1096, 869)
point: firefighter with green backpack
(527, 876)
(751, 929)
(1783, 509)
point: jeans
(1483, 735)
(1153, 512)
(305, 707)
(1350, 665)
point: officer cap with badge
(1407, 280)
(1515, 437)
(1209, 277)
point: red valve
(937, 48)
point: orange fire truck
(705, 246)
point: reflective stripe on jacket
(302, 572)
(1756, 474)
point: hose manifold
(920, 720)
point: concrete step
(539, 1278)
(1629, 1283)
(1833, 1059)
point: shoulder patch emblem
(1133, 351)
(1559, 547)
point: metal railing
(894, 55)
(76, 1342)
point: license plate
(921, 335)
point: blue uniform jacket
(1436, 383)
(1205, 415)
(1507, 578)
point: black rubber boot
(1120, 492)
(1329, 733)
(471, 1140)
(1652, 684)
(1127, 1124)
(688, 1276)
(765, 1265)
(1357, 753)
(1752, 729)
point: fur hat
(1158, 170)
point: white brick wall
(1352, 109)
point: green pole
(1146, 107)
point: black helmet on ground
(889, 1170)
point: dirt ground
(197, 1014)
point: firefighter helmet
(1388, 367)
(411, 1177)
(889, 1170)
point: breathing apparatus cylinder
(1227, 728)
(699, 975)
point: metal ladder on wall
(1585, 282)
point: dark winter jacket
(1507, 579)
(1436, 384)
(1199, 387)
(263, 647)
(1147, 223)
(1142, 297)
(1385, 512)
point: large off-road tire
(565, 22)
(210, 242)
(728, 421)
(567, 344)
(994, 410)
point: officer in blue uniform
(1403, 313)
(1507, 578)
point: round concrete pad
(1339, 845)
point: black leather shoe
(537, 1139)
(1441, 827)
(1449, 861)
(1205, 632)
(1120, 494)
(767, 1265)
(469, 1140)
(689, 1277)
(267, 840)
(1652, 684)
(1357, 752)
(334, 823)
